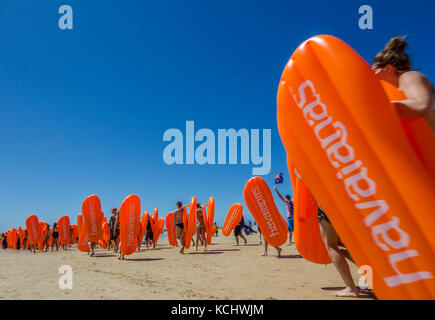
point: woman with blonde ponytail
(394, 66)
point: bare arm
(279, 194)
(418, 91)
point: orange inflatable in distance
(79, 223)
(154, 224)
(32, 225)
(91, 210)
(191, 223)
(129, 223)
(349, 146)
(160, 226)
(259, 200)
(64, 230)
(170, 229)
(210, 219)
(308, 239)
(234, 216)
(83, 244)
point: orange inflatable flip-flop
(170, 229)
(32, 225)
(129, 223)
(259, 200)
(234, 216)
(191, 223)
(308, 239)
(349, 146)
(91, 210)
(209, 219)
(83, 244)
(64, 230)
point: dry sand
(225, 272)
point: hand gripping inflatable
(418, 131)
(191, 223)
(91, 210)
(234, 216)
(308, 238)
(129, 223)
(64, 230)
(349, 146)
(260, 203)
(170, 229)
(32, 225)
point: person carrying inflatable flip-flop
(178, 225)
(393, 65)
(238, 231)
(290, 215)
(200, 227)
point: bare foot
(347, 292)
(264, 254)
(279, 252)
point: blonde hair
(395, 54)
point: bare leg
(330, 238)
(265, 249)
(290, 235)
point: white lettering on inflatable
(401, 278)
(358, 185)
(352, 183)
(131, 225)
(382, 230)
(262, 205)
(349, 154)
(382, 208)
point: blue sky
(83, 111)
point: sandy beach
(224, 272)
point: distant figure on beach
(54, 237)
(290, 213)
(178, 225)
(216, 228)
(114, 230)
(238, 232)
(200, 227)
(149, 235)
(46, 240)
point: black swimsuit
(180, 225)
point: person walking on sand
(200, 227)
(238, 232)
(114, 230)
(290, 213)
(178, 225)
(149, 235)
(47, 239)
(54, 237)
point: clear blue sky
(83, 111)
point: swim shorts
(291, 226)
